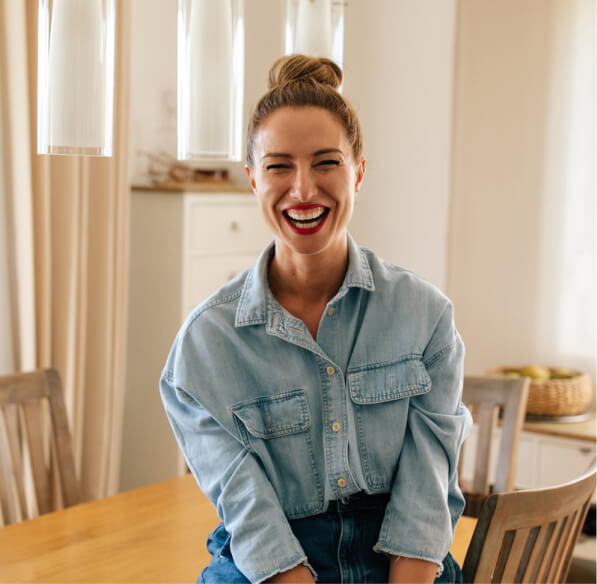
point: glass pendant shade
(75, 94)
(211, 55)
(315, 27)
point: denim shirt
(274, 424)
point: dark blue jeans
(338, 544)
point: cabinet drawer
(221, 228)
(204, 275)
(561, 460)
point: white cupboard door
(224, 229)
(205, 275)
(560, 460)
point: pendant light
(315, 27)
(210, 79)
(75, 97)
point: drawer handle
(233, 226)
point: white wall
(522, 253)
(398, 66)
(153, 82)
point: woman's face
(305, 179)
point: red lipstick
(306, 226)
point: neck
(313, 278)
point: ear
(251, 178)
(360, 174)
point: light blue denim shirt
(274, 424)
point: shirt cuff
(301, 561)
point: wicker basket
(555, 397)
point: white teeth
(304, 215)
(308, 225)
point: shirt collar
(253, 302)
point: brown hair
(302, 81)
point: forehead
(297, 129)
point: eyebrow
(316, 153)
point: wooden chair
(487, 396)
(528, 536)
(37, 470)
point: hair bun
(297, 68)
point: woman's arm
(262, 541)
(425, 500)
(411, 570)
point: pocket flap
(384, 383)
(275, 416)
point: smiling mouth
(306, 221)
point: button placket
(335, 436)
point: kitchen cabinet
(183, 247)
(548, 454)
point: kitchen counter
(584, 430)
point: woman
(316, 397)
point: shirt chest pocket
(276, 429)
(385, 383)
(380, 395)
(274, 416)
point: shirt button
(336, 426)
(331, 311)
(330, 370)
(341, 483)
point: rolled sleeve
(262, 542)
(426, 501)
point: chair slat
(513, 416)
(537, 559)
(514, 558)
(564, 567)
(15, 458)
(69, 485)
(525, 558)
(7, 502)
(39, 467)
(502, 560)
(487, 419)
(552, 549)
(562, 545)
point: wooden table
(153, 534)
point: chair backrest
(488, 395)
(37, 470)
(529, 536)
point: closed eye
(331, 162)
(276, 166)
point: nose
(304, 185)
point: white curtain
(17, 308)
(521, 257)
(64, 252)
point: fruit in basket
(561, 373)
(535, 372)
